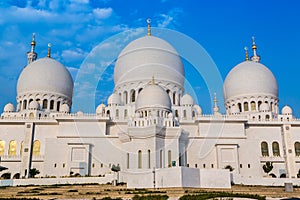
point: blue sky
(223, 28)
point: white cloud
(102, 13)
(169, 19)
(71, 55)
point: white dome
(187, 100)
(100, 108)
(153, 96)
(34, 105)
(264, 107)
(9, 108)
(146, 57)
(65, 108)
(286, 110)
(46, 76)
(114, 99)
(249, 78)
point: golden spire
(247, 54)
(255, 57)
(49, 50)
(33, 42)
(253, 43)
(152, 80)
(149, 26)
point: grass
(210, 195)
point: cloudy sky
(222, 28)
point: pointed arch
(12, 150)
(36, 148)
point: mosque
(149, 124)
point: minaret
(247, 54)
(49, 50)
(31, 55)
(255, 57)
(216, 107)
(149, 27)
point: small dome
(286, 110)
(65, 108)
(114, 99)
(198, 109)
(153, 96)
(9, 108)
(45, 75)
(187, 100)
(234, 109)
(264, 107)
(34, 105)
(249, 78)
(148, 56)
(100, 108)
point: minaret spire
(216, 107)
(247, 53)
(31, 55)
(49, 50)
(255, 57)
(149, 27)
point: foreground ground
(101, 191)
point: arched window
(117, 113)
(2, 147)
(264, 149)
(267, 117)
(184, 113)
(275, 148)
(193, 114)
(25, 104)
(149, 158)
(51, 104)
(21, 149)
(36, 148)
(58, 106)
(127, 160)
(140, 90)
(169, 158)
(125, 97)
(176, 113)
(174, 97)
(132, 96)
(12, 151)
(259, 103)
(140, 159)
(253, 106)
(246, 107)
(240, 107)
(160, 158)
(45, 104)
(297, 148)
(125, 113)
(107, 113)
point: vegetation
(229, 167)
(211, 195)
(6, 175)
(268, 167)
(109, 198)
(150, 197)
(33, 172)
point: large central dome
(146, 57)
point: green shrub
(150, 197)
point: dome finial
(152, 80)
(31, 55)
(49, 50)
(255, 57)
(247, 54)
(149, 27)
(216, 107)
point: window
(160, 158)
(204, 166)
(149, 159)
(184, 113)
(58, 106)
(248, 165)
(174, 98)
(64, 165)
(140, 159)
(275, 148)
(12, 151)
(125, 97)
(169, 158)
(176, 113)
(24, 104)
(196, 166)
(132, 96)
(264, 149)
(127, 161)
(2, 147)
(241, 165)
(51, 104)
(55, 165)
(125, 113)
(267, 117)
(117, 113)
(45, 104)
(36, 148)
(240, 107)
(246, 107)
(212, 165)
(297, 148)
(253, 107)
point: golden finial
(149, 26)
(49, 50)
(33, 40)
(152, 80)
(253, 43)
(215, 97)
(247, 54)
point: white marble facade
(148, 123)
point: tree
(229, 167)
(268, 167)
(33, 172)
(116, 169)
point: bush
(150, 197)
(211, 195)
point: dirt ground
(100, 191)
